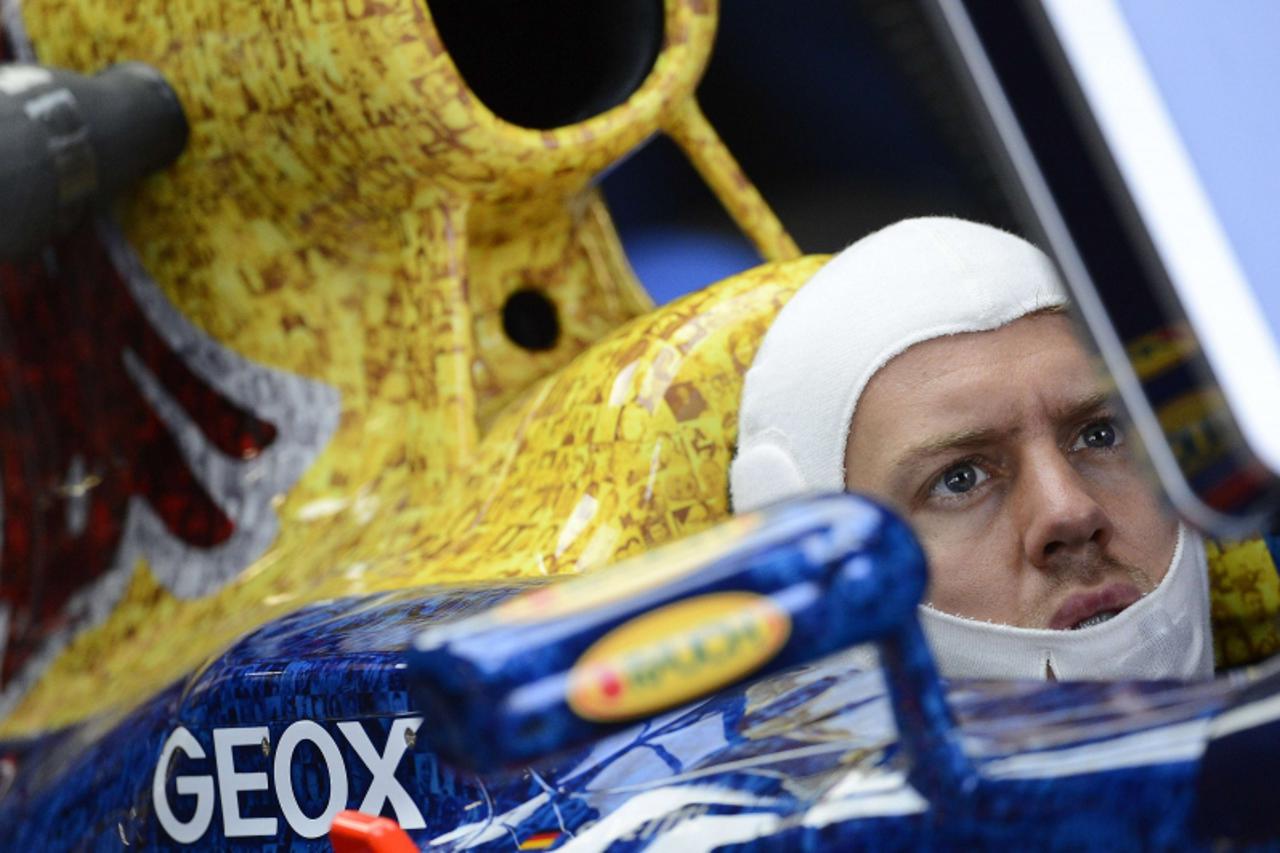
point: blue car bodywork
(829, 754)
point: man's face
(1002, 451)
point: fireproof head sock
(911, 282)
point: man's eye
(1099, 435)
(958, 479)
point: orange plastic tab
(357, 832)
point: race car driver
(932, 366)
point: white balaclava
(914, 281)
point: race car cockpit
(358, 493)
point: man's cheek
(1119, 481)
(968, 580)
(1145, 530)
(975, 527)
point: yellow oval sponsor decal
(675, 654)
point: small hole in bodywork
(530, 320)
(550, 63)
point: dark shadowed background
(845, 115)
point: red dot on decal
(610, 684)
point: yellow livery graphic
(355, 281)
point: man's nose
(1061, 519)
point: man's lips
(1079, 606)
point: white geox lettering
(385, 786)
(231, 781)
(309, 827)
(201, 787)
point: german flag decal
(540, 840)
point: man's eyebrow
(1083, 408)
(959, 439)
(971, 438)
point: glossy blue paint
(843, 569)
(808, 757)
